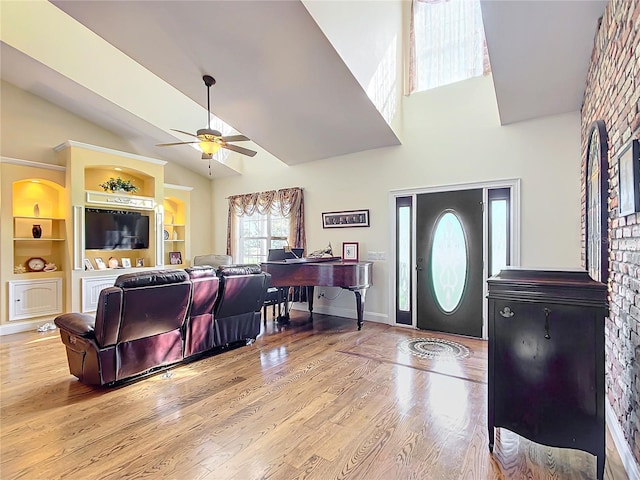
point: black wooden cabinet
(546, 358)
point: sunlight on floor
(448, 401)
(44, 339)
(404, 388)
(273, 356)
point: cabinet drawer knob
(506, 312)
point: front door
(449, 266)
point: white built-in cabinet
(34, 298)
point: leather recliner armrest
(239, 269)
(79, 324)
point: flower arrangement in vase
(118, 185)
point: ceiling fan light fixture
(208, 147)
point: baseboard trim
(628, 461)
(17, 327)
(341, 312)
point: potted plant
(118, 185)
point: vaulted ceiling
(135, 68)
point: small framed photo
(87, 264)
(140, 262)
(175, 258)
(629, 179)
(347, 218)
(349, 251)
(126, 263)
(100, 263)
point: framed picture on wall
(344, 219)
(629, 179)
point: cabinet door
(34, 298)
(545, 371)
(91, 288)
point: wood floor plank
(309, 400)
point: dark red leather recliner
(138, 326)
(199, 326)
(153, 319)
(237, 310)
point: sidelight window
(499, 230)
(403, 260)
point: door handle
(506, 312)
(547, 312)
(418, 268)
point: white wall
(370, 36)
(450, 135)
(360, 31)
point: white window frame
(269, 238)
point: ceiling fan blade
(175, 143)
(235, 138)
(243, 151)
(186, 133)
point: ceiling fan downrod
(209, 81)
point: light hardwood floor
(306, 401)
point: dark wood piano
(353, 276)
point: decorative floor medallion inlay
(434, 348)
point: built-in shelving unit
(142, 201)
(174, 229)
(38, 232)
(56, 197)
(37, 205)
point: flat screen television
(115, 230)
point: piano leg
(360, 294)
(310, 300)
(283, 296)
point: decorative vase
(36, 210)
(36, 231)
(175, 235)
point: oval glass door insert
(448, 262)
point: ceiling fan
(209, 140)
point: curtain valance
(282, 201)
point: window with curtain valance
(262, 220)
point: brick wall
(612, 94)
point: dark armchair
(137, 327)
